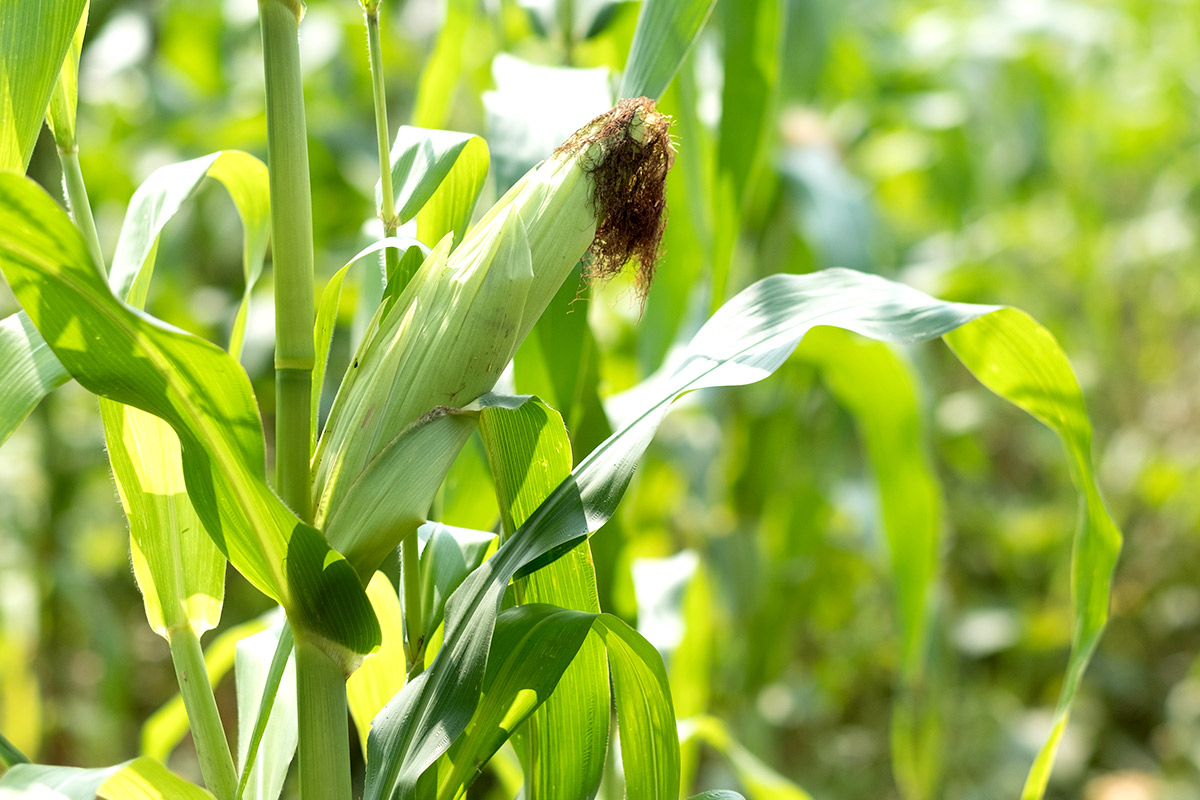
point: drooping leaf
(34, 39)
(879, 391)
(746, 340)
(1020, 361)
(202, 393)
(666, 30)
(448, 556)
(160, 197)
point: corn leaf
(127, 356)
(178, 567)
(436, 177)
(666, 30)
(140, 779)
(34, 39)
(1020, 361)
(718, 794)
(160, 197)
(744, 342)
(448, 556)
(563, 743)
(64, 99)
(277, 745)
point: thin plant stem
(212, 748)
(291, 228)
(324, 746)
(410, 557)
(81, 208)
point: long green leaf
(439, 79)
(1020, 361)
(64, 98)
(666, 30)
(746, 340)
(428, 163)
(127, 356)
(382, 673)
(34, 38)
(562, 745)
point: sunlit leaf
(128, 357)
(60, 114)
(439, 78)
(383, 672)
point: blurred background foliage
(1038, 153)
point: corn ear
(458, 323)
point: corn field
(573, 399)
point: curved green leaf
(879, 391)
(127, 356)
(64, 99)
(160, 197)
(746, 340)
(34, 39)
(435, 89)
(666, 30)
(1020, 361)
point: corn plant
(480, 639)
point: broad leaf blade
(34, 39)
(202, 393)
(140, 779)
(434, 165)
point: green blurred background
(1037, 153)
